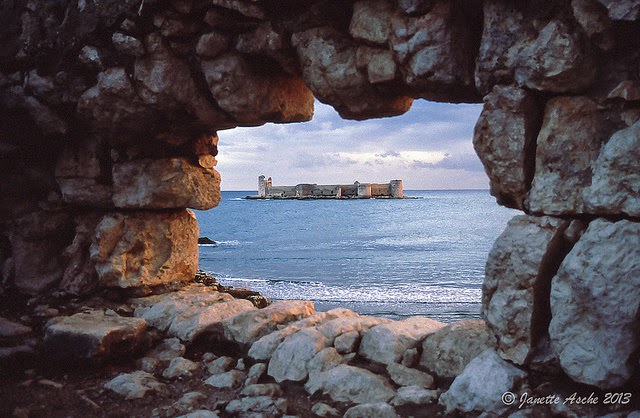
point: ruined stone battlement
(357, 190)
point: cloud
(429, 147)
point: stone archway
(109, 114)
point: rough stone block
(94, 336)
(594, 304)
(164, 184)
(143, 250)
(517, 281)
(504, 139)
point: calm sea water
(385, 257)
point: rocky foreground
(201, 352)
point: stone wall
(109, 112)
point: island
(357, 190)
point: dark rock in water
(206, 240)
(259, 301)
(241, 292)
(207, 280)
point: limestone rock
(167, 350)
(431, 53)
(255, 373)
(414, 395)
(250, 326)
(113, 106)
(265, 346)
(568, 144)
(134, 385)
(212, 44)
(415, 7)
(189, 313)
(323, 410)
(81, 176)
(347, 342)
(481, 385)
(333, 328)
(378, 409)
(142, 250)
(504, 35)
(618, 159)
(271, 390)
(504, 139)
(338, 81)
(519, 267)
(200, 413)
(371, 21)
(556, 61)
(37, 242)
(345, 383)
(386, 343)
(593, 19)
(252, 99)
(166, 83)
(594, 300)
(289, 361)
(80, 276)
(179, 367)
(257, 404)
(10, 329)
(221, 365)
(622, 9)
(164, 184)
(405, 376)
(326, 359)
(229, 380)
(378, 64)
(94, 335)
(127, 44)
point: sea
(423, 255)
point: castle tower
(395, 187)
(262, 186)
(364, 191)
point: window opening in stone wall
(423, 255)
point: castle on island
(357, 190)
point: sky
(429, 147)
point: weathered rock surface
(504, 139)
(250, 326)
(167, 350)
(190, 312)
(165, 184)
(37, 242)
(338, 80)
(9, 329)
(263, 348)
(377, 409)
(289, 361)
(568, 144)
(618, 159)
(481, 385)
(447, 351)
(405, 376)
(414, 395)
(227, 380)
(386, 343)
(179, 367)
(259, 405)
(134, 385)
(594, 300)
(517, 282)
(345, 383)
(144, 250)
(94, 335)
